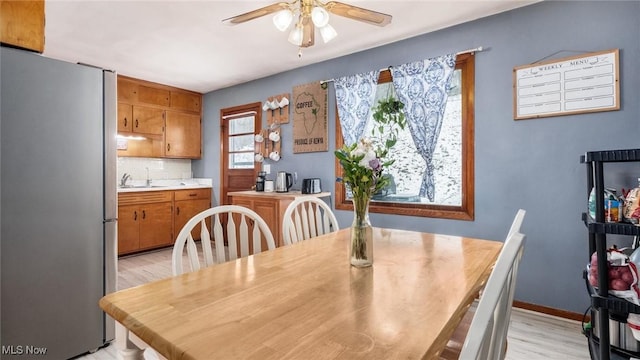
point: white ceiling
(184, 43)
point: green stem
(360, 226)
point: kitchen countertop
(165, 185)
(278, 195)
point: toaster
(311, 186)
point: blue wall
(529, 164)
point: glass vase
(361, 233)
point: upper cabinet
(22, 24)
(148, 120)
(182, 131)
(185, 101)
(168, 119)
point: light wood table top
(305, 301)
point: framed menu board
(571, 85)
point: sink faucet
(148, 178)
(124, 179)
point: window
(453, 158)
(241, 143)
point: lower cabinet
(152, 219)
(189, 203)
(156, 228)
(128, 229)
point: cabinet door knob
(125, 122)
(168, 147)
(136, 123)
(135, 215)
(144, 214)
(178, 210)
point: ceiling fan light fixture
(295, 36)
(302, 17)
(282, 19)
(319, 16)
(328, 33)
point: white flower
(365, 147)
(366, 160)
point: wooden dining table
(305, 301)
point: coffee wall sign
(310, 127)
(572, 85)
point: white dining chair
(487, 334)
(235, 234)
(244, 229)
(517, 222)
(307, 217)
(482, 332)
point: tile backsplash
(159, 169)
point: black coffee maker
(260, 181)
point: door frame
(230, 113)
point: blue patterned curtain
(422, 87)
(354, 97)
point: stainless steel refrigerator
(58, 205)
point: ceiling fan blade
(269, 9)
(308, 32)
(358, 13)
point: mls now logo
(23, 350)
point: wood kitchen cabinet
(149, 94)
(22, 24)
(125, 118)
(148, 120)
(183, 135)
(169, 118)
(140, 119)
(128, 229)
(186, 101)
(152, 219)
(135, 91)
(188, 203)
(127, 90)
(270, 206)
(145, 220)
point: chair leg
(127, 349)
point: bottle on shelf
(613, 205)
(631, 208)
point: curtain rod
(239, 114)
(468, 51)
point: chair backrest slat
(243, 238)
(192, 251)
(304, 215)
(257, 240)
(231, 237)
(218, 237)
(297, 229)
(205, 240)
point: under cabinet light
(131, 137)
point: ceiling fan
(310, 14)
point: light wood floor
(532, 336)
